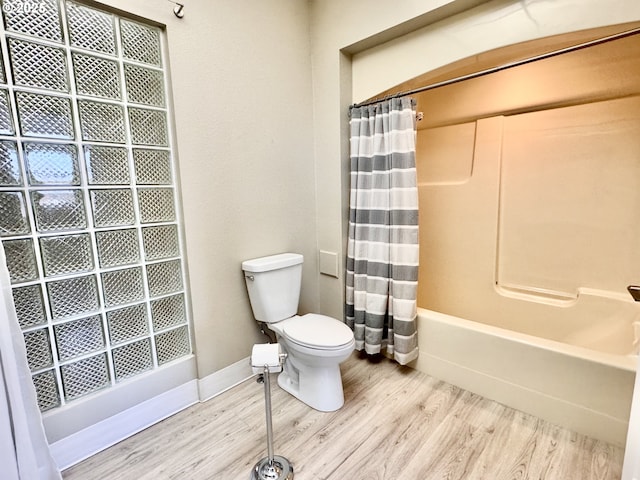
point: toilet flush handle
(249, 277)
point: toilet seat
(315, 331)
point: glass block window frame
(89, 213)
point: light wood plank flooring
(397, 424)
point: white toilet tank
(273, 284)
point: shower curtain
(382, 250)
(24, 451)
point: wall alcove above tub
(587, 74)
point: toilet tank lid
(272, 262)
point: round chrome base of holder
(279, 469)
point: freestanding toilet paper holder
(272, 467)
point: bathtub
(530, 257)
(583, 389)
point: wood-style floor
(397, 424)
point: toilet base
(320, 388)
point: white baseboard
(78, 446)
(91, 440)
(223, 380)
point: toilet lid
(317, 331)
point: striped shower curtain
(382, 251)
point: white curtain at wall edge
(24, 451)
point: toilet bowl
(315, 344)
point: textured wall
(241, 80)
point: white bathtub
(538, 254)
(582, 389)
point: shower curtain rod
(487, 71)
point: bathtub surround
(382, 251)
(24, 452)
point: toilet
(315, 344)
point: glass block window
(88, 201)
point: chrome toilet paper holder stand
(271, 467)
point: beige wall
(241, 81)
